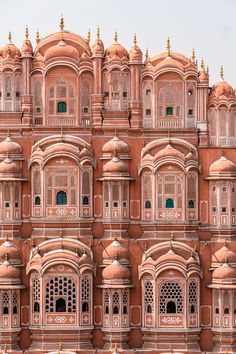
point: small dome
(98, 47)
(62, 50)
(7, 247)
(8, 146)
(116, 165)
(169, 150)
(203, 76)
(27, 48)
(116, 271)
(9, 167)
(223, 255)
(85, 259)
(224, 272)
(8, 273)
(222, 88)
(115, 144)
(170, 256)
(115, 249)
(222, 166)
(135, 54)
(10, 49)
(116, 49)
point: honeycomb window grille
(85, 294)
(148, 296)
(15, 302)
(116, 303)
(5, 303)
(171, 298)
(36, 295)
(60, 295)
(192, 297)
(106, 302)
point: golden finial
(221, 72)
(26, 32)
(116, 36)
(37, 36)
(207, 70)
(60, 347)
(89, 36)
(98, 32)
(147, 56)
(193, 56)
(202, 65)
(135, 40)
(9, 36)
(168, 46)
(62, 23)
(5, 347)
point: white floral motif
(61, 211)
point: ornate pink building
(117, 201)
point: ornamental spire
(147, 55)
(10, 37)
(193, 56)
(116, 37)
(98, 32)
(62, 25)
(26, 32)
(222, 73)
(89, 36)
(168, 46)
(202, 65)
(135, 40)
(37, 36)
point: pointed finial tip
(26, 32)
(221, 72)
(193, 56)
(89, 36)
(37, 36)
(116, 36)
(98, 32)
(9, 37)
(147, 55)
(62, 23)
(135, 40)
(168, 46)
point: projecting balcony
(170, 123)
(61, 120)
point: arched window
(191, 204)
(171, 307)
(85, 307)
(14, 310)
(148, 204)
(37, 200)
(61, 198)
(149, 309)
(125, 310)
(115, 310)
(169, 203)
(61, 107)
(36, 307)
(106, 310)
(60, 305)
(85, 200)
(169, 111)
(5, 310)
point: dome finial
(26, 32)
(89, 36)
(202, 65)
(62, 23)
(10, 37)
(98, 32)
(37, 36)
(193, 56)
(222, 72)
(168, 46)
(135, 40)
(147, 56)
(116, 37)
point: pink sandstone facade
(117, 201)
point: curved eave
(115, 286)
(13, 179)
(116, 178)
(219, 177)
(221, 286)
(12, 286)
